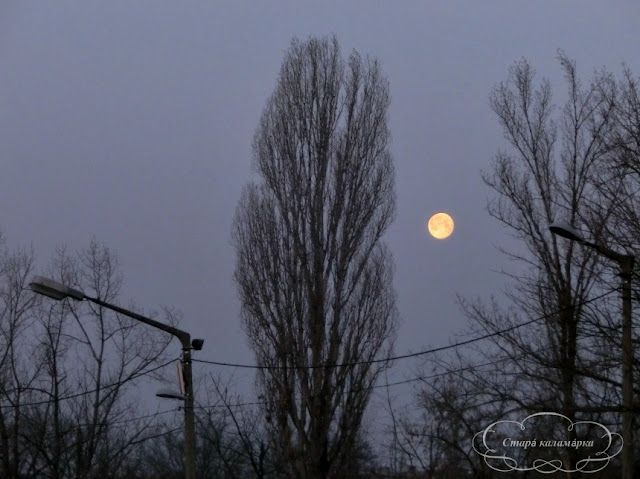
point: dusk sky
(131, 121)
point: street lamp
(58, 291)
(166, 393)
(625, 262)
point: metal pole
(626, 266)
(626, 263)
(59, 291)
(189, 419)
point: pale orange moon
(440, 225)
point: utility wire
(470, 367)
(166, 433)
(411, 355)
(84, 393)
(108, 424)
(129, 420)
(355, 363)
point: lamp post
(625, 262)
(58, 291)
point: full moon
(440, 225)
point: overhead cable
(409, 355)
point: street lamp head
(169, 394)
(564, 229)
(53, 289)
(196, 344)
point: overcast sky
(132, 121)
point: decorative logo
(567, 446)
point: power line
(166, 433)
(470, 367)
(410, 355)
(84, 393)
(377, 386)
(129, 420)
(355, 363)
(108, 424)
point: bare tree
(240, 440)
(618, 176)
(541, 180)
(67, 370)
(314, 277)
(433, 437)
(546, 173)
(17, 375)
(111, 353)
